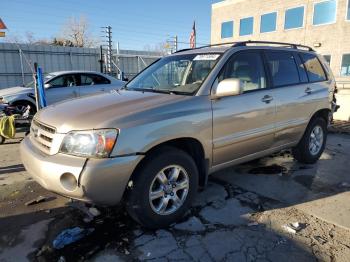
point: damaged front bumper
(99, 181)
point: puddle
(269, 170)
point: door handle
(102, 89)
(267, 99)
(308, 90)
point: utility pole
(172, 43)
(175, 43)
(108, 35)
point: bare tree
(27, 38)
(76, 31)
(161, 48)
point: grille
(42, 135)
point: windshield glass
(182, 74)
(46, 78)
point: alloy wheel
(169, 190)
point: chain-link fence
(16, 61)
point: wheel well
(19, 102)
(191, 146)
(324, 113)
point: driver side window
(248, 67)
(63, 81)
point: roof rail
(205, 46)
(244, 43)
(295, 46)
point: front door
(61, 88)
(243, 124)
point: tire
(307, 152)
(21, 107)
(147, 179)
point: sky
(135, 23)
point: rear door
(243, 125)
(62, 87)
(93, 83)
(293, 93)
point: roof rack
(295, 46)
(205, 46)
(244, 43)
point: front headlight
(3, 100)
(92, 143)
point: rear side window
(301, 68)
(313, 67)
(91, 79)
(283, 68)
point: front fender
(192, 119)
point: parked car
(61, 86)
(153, 143)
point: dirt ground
(271, 209)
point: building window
(246, 26)
(348, 13)
(345, 65)
(294, 18)
(227, 29)
(268, 22)
(325, 12)
(328, 59)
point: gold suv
(153, 143)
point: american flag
(193, 36)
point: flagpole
(195, 34)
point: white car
(61, 86)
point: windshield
(178, 74)
(46, 78)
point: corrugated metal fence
(15, 61)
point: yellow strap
(7, 126)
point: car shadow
(12, 169)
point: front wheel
(21, 108)
(163, 188)
(312, 144)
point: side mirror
(47, 85)
(229, 87)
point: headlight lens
(93, 143)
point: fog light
(68, 181)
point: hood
(15, 91)
(102, 110)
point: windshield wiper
(152, 90)
(162, 91)
(175, 92)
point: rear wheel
(163, 188)
(312, 144)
